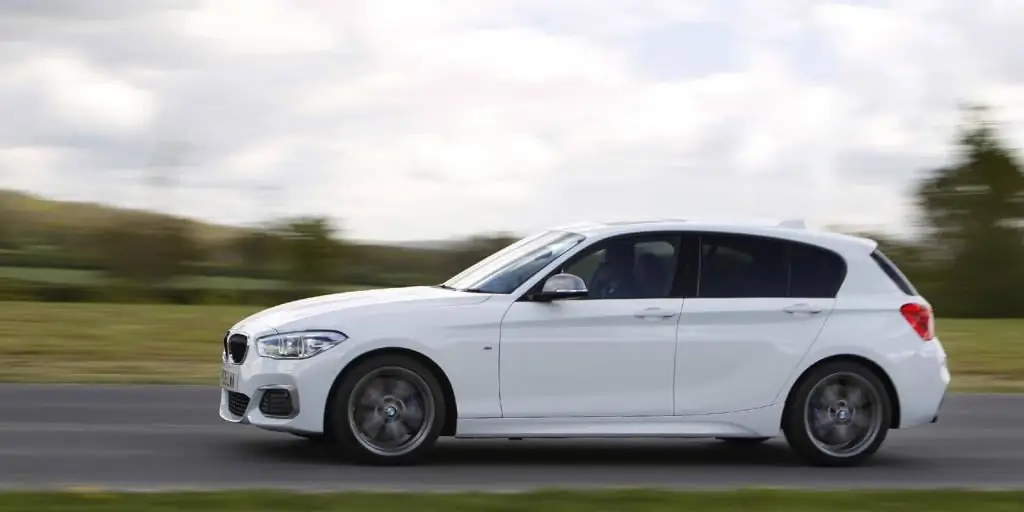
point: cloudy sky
(413, 119)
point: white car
(740, 332)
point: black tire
(743, 441)
(797, 426)
(428, 391)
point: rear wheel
(388, 411)
(838, 416)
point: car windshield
(509, 268)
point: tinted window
(739, 266)
(893, 272)
(742, 266)
(628, 268)
(814, 272)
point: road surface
(149, 437)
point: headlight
(298, 345)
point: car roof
(794, 230)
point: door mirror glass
(563, 286)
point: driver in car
(615, 278)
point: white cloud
(428, 118)
(256, 27)
(81, 93)
(29, 167)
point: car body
(739, 331)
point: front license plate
(228, 379)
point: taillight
(921, 319)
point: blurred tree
(147, 251)
(258, 250)
(311, 250)
(974, 214)
(6, 226)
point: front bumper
(275, 407)
(278, 395)
(277, 401)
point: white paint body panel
(704, 368)
(588, 358)
(736, 354)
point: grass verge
(114, 343)
(599, 501)
(59, 342)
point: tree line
(159, 258)
(967, 256)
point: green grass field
(89, 277)
(551, 501)
(57, 342)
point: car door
(609, 354)
(759, 305)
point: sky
(426, 119)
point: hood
(413, 296)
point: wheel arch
(451, 407)
(890, 388)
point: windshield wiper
(444, 286)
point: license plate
(228, 379)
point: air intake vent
(238, 403)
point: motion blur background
(237, 154)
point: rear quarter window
(815, 272)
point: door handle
(654, 313)
(802, 308)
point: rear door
(760, 303)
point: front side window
(506, 270)
(631, 268)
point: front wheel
(838, 416)
(388, 411)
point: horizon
(437, 242)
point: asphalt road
(170, 437)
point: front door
(610, 354)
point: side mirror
(563, 286)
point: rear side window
(893, 272)
(815, 273)
(743, 266)
(739, 266)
